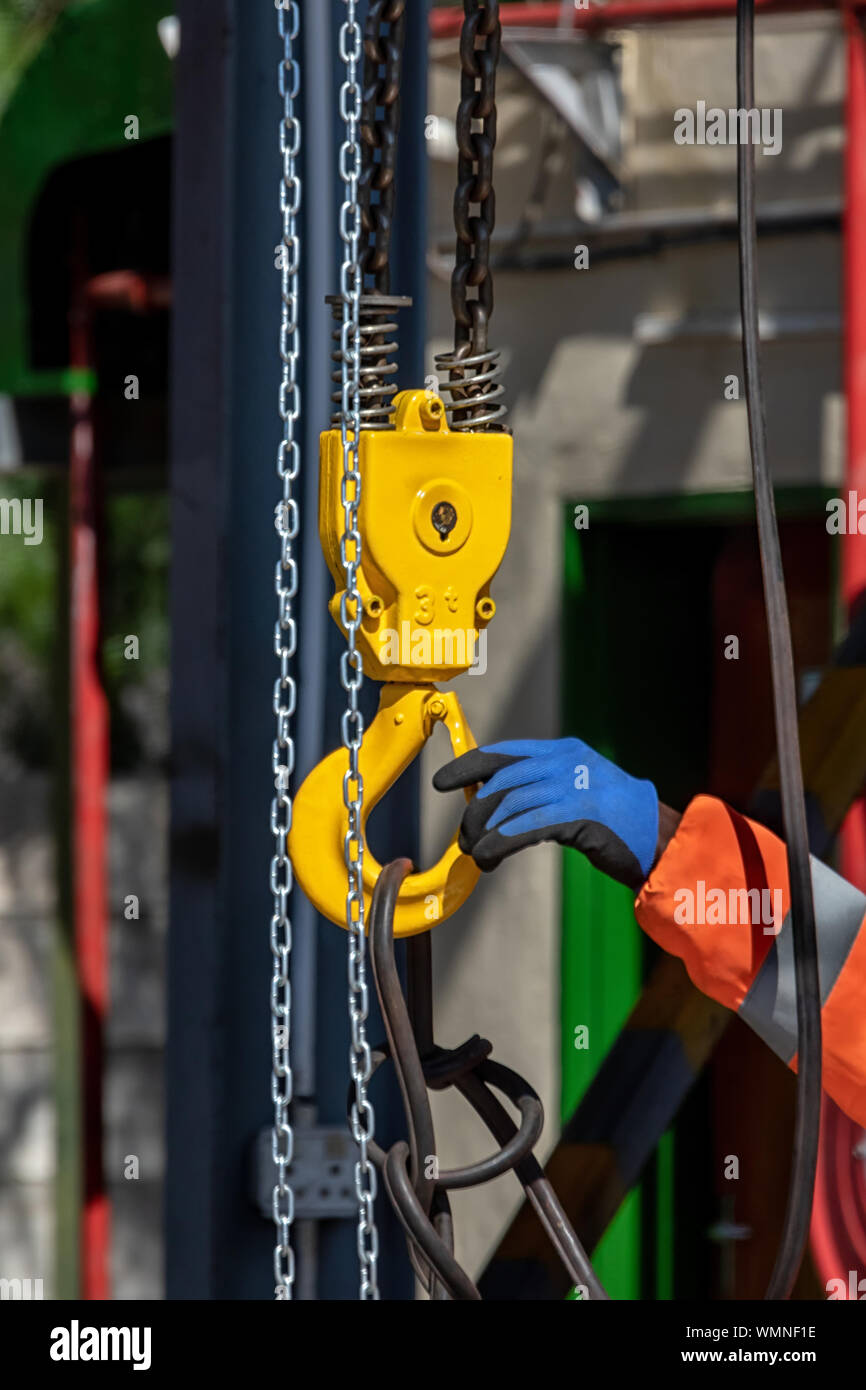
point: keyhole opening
(444, 518)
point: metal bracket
(578, 78)
(322, 1174)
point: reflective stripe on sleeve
(750, 970)
(770, 1007)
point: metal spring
(470, 387)
(378, 330)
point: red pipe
(90, 772)
(838, 1233)
(619, 14)
(854, 231)
(127, 291)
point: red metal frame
(839, 1212)
(90, 759)
(854, 232)
(89, 756)
(620, 14)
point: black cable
(799, 1207)
(402, 1050)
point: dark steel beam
(201, 1139)
(225, 433)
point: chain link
(383, 57)
(286, 520)
(475, 173)
(351, 667)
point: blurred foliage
(26, 11)
(134, 597)
(23, 26)
(28, 629)
(134, 601)
(17, 16)
(27, 576)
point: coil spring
(378, 331)
(470, 387)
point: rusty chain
(383, 57)
(480, 41)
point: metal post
(201, 1141)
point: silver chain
(286, 520)
(351, 666)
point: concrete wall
(134, 1043)
(26, 1066)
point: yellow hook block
(434, 518)
(404, 721)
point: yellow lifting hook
(434, 518)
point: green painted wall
(637, 684)
(601, 963)
(65, 95)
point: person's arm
(711, 886)
(718, 898)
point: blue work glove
(561, 790)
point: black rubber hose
(800, 1192)
(403, 1051)
(398, 1026)
(417, 1225)
(542, 1198)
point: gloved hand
(561, 790)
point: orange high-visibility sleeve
(719, 899)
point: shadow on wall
(594, 406)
